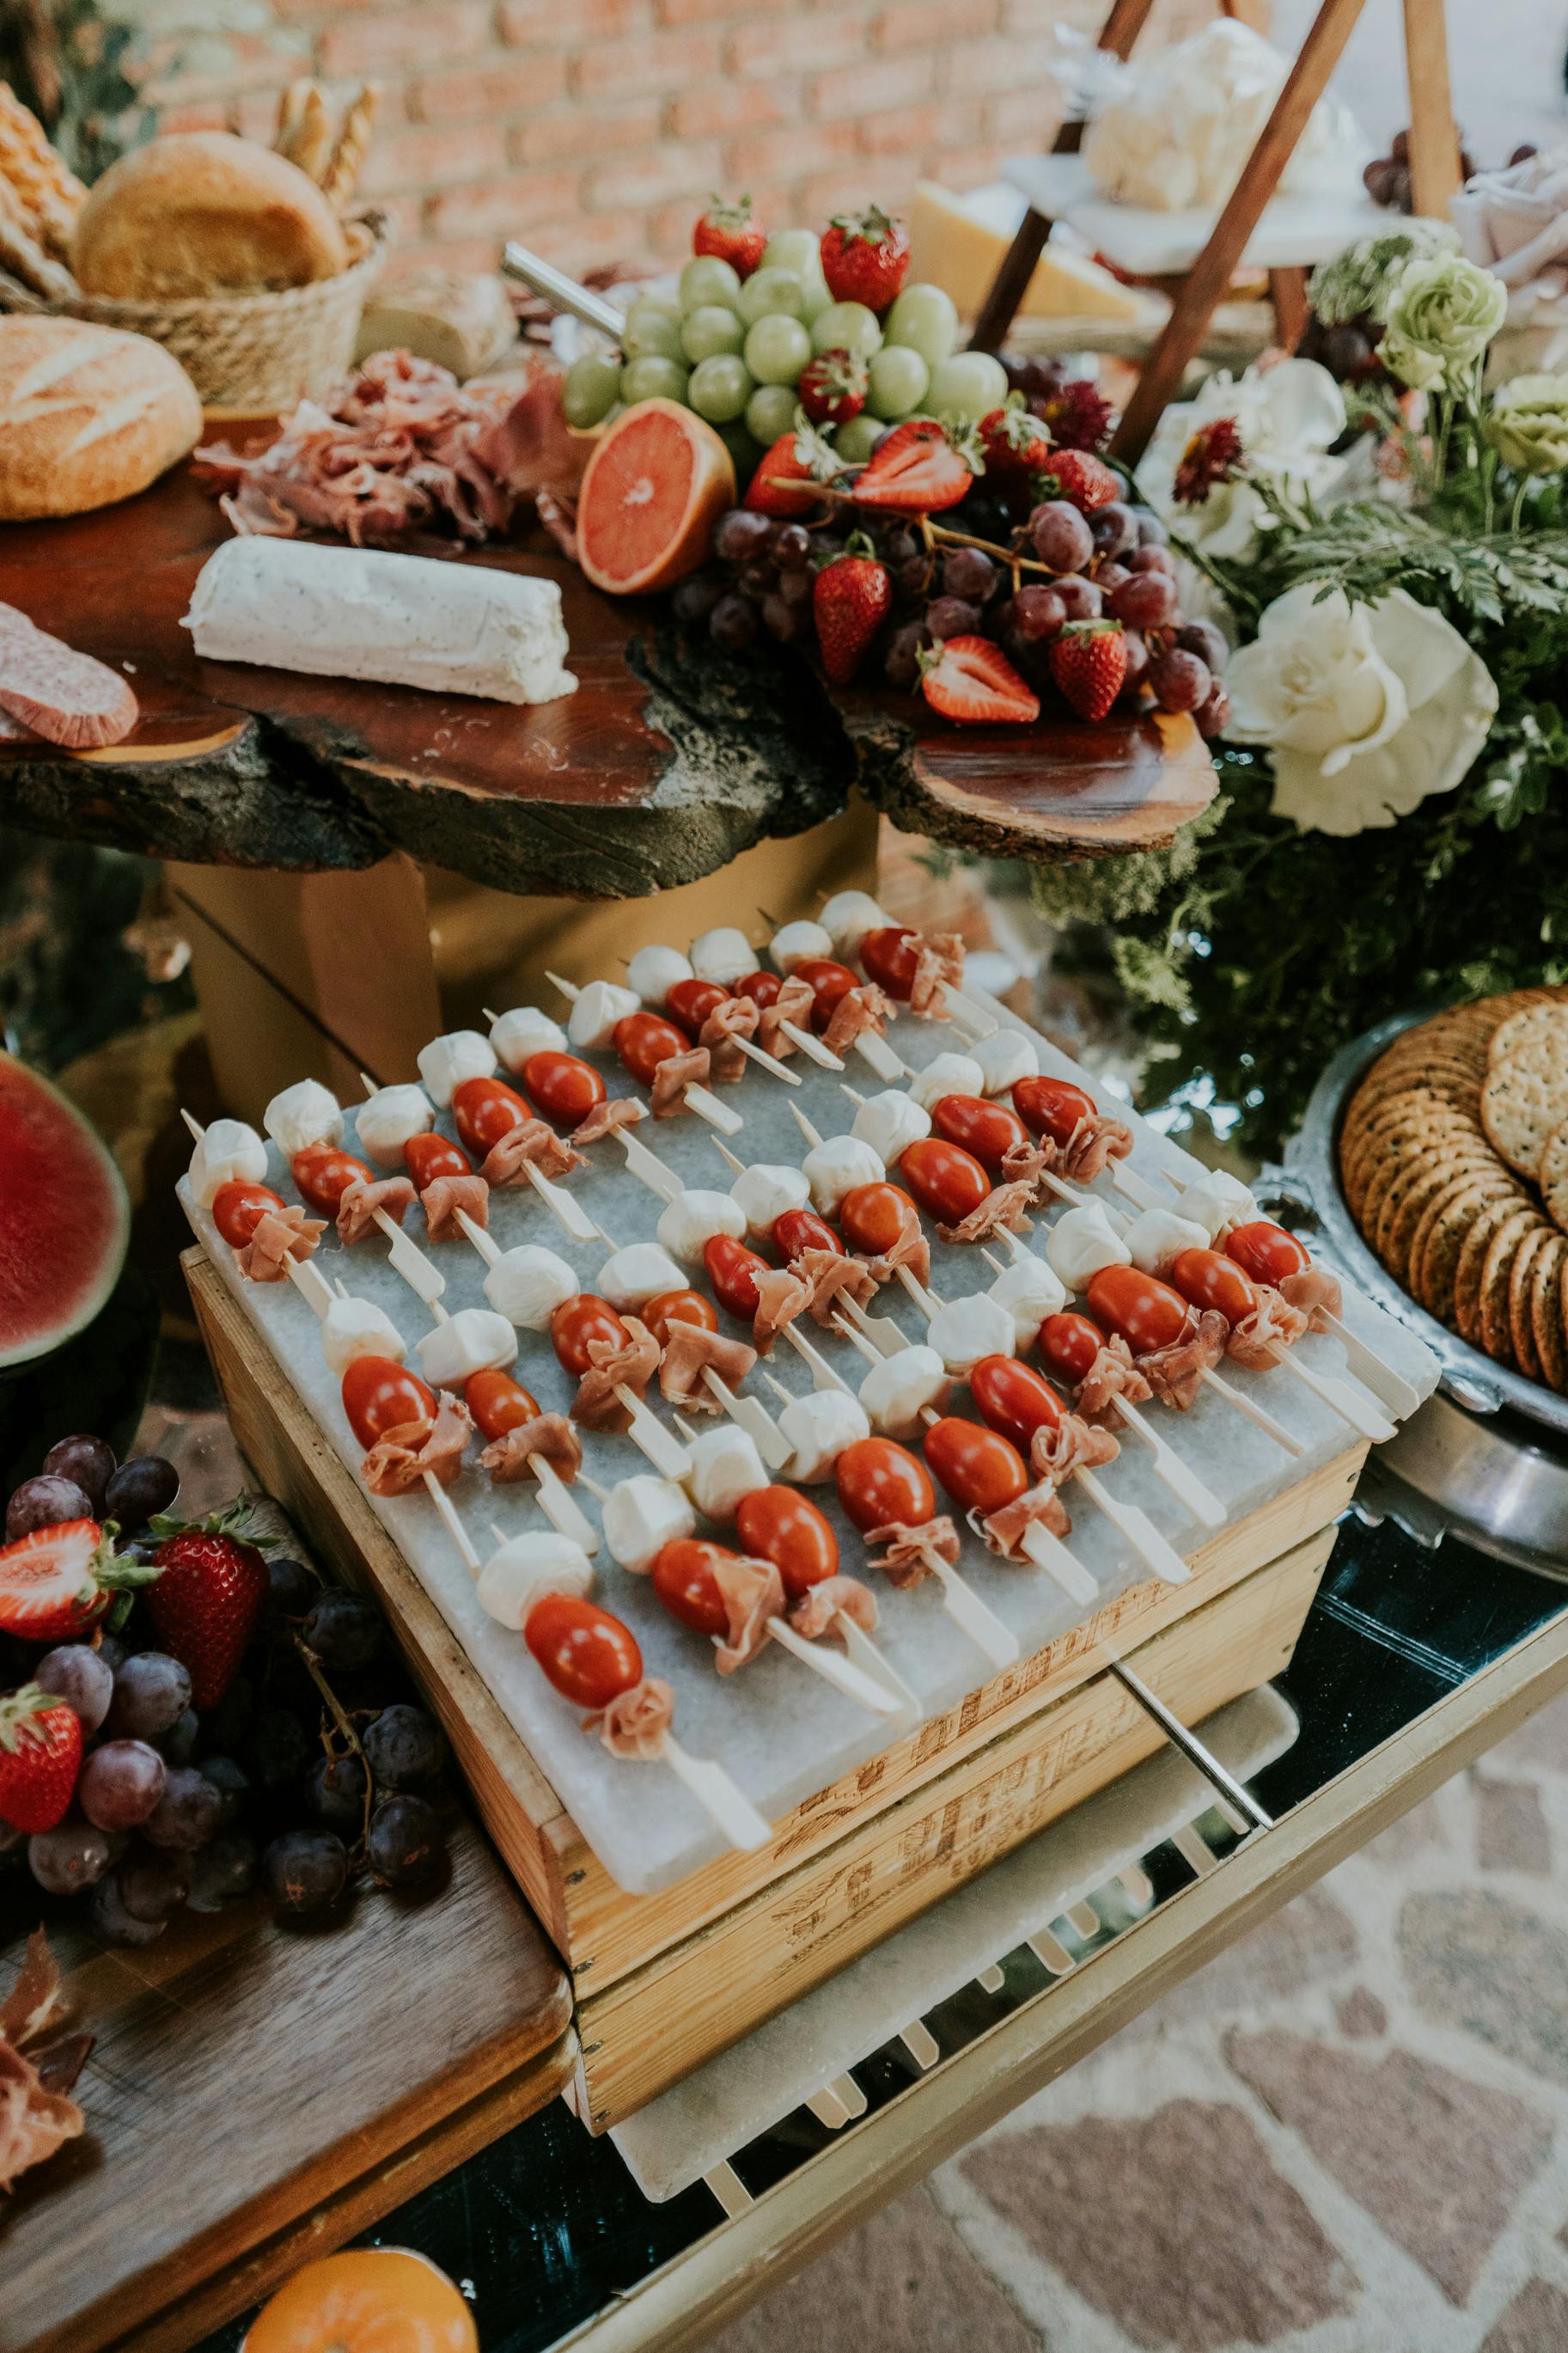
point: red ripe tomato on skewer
(872, 1217)
(1070, 1344)
(484, 1109)
(684, 1582)
(380, 1395)
(579, 1320)
(498, 1403)
(803, 1230)
(879, 1482)
(238, 1209)
(828, 982)
(589, 1656)
(732, 1270)
(1015, 1399)
(562, 1086)
(890, 957)
(977, 1467)
(1265, 1252)
(679, 1307)
(324, 1175)
(426, 1157)
(761, 987)
(1147, 1312)
(690, 1002)
(947, 1181)
(1052, 1107)
(987, 1130)
(644, 1040)
(784, 1526)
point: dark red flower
(1077, 416)
(1214, 455)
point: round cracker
(1481, 1280)
(1515, 1027)
(1401, 1220)
(1446, 1238)
(1552, 1174)
(1526, 1355)
(1546, 1312)
(1424, 1144)
(1524, 1098)
(1468, 1267)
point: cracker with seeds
(1546, 1312)
(1520, 1280)
(1524, 1098)
(1529, 1021)
(1501, 1232)
(1552, 1174)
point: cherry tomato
(379, 1396)
(1052, 1107)
(977, 1467)
(1266, 1251)
(1208, 1279)
(484, 1109)
(879, 1482)
(684, 1582)
(1070, 1344)
(786, 1527)
(761, 987)
(1014, 1398)
(577, 1322)
(871, 1216)
(426, 1157)
(803, 1230)
(988, 1129)
(563, 1086)
(690, 1002)
(1148, 1315)
(644, 1040)
(679, 1307)
(828, 982)
(589, 1656)
(889, 956)
(238, 1209)
(732, 1270)
(947, 1181)
(322, 1172)
(496, 1402)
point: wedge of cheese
(958, 242)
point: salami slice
(67, 697)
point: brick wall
(594, 129)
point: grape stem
(933, 533)
(344, 1723)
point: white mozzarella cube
(835, 1167)
(897, 1389)
(654, 971)
(1217, 1200)
(793, 943)
(591, 1024)
(303, 1114)
(691, 1221)
(1159, 1237)
(641, 1515)
(474, 1340)
(1083, 1242)
(528, 1284)
(526, 1029)
(352, 1328)
(722, 1465)
(446, 1061)
(762, 1193)
(630, 1278)
(819, 1426)
(388, 1119)
(229, 1152)
(888, 1122)
(964, 1330)
(525, 1568)
(847, 917)
(725, 955)
(1030, 1291)
(1005, 1058)
(948, 1074)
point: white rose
(1287, 416)
(1365, 708)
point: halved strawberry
(57, 1582)
(971, 681)
(801, 456)
(921, 467)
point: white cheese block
(960, 243)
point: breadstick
(25, 257)
(315, 140)
(39, 175)
(342, 176)
(290, 107)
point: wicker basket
(256, 354)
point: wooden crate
(663, 1980)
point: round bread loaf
(86, 415)
(201, 212)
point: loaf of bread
(86, 415)
(201, 212)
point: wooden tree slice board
(247, 2078)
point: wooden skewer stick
(811, 1047)
(747, 1414)
(718, 1796)
(699, 1099)
(880, 1332)
(812, 1135)
(823, 1375)
(668, 1456)
(650, 1170)
(766, 1061)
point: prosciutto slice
(1273, 1325)
(674, 1075)
(1092, 1145)
(783, 1293)
(939, 957)
(1175, 1373)
(531, 1144)
(1055, 1454)
(907, 1560)
(1041, 1506)
(397, 1463)
(547, 1437)
(37, 2066)
(636, 1722)
(630, 1365)
(445, 1196)
(857, 1010)
(794, 1004)
(1112, 1375)
(1006, 1208)
(1027, 1164)
(358, 1203)
(817, 1613)
(752, 1592)
(736, 1017)
(605, 1118)
(689, 1351)
(280, 1235)
(1316, 1293)
(908, 1249)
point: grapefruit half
(655, 485)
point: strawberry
(920, 466)
(40, 1757)
(1089, 662)
(864, 256)
(1085, 480)
(971, 681)
(211, 1589)
(851, 599)
(801, 456)
(833, 386)
(59, 1581)
(733, 232)
(1014, 440)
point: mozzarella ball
(792, 943)
(446, 1061)
(229, 1152)
(528, 1284)
(897, 1388)
(525, 1568)
(351, 1328)
(949, 1074)
(1005, 1058)
(819, 1426)
(847, 917)
(888, 1122)
(762, 1193)
(303, 1114)
(1159, 1237)
(835, 1167)
(592, 1020)
(692, 1219)
(631, 1277)
(964, 1330)
(526, 1029)
(725, 955)
(722, 1465)
(1081, 1242)
(1030, 1291)
(653, 972)
(641, 1515)
(1217, 1201)
(388, 1119)
(474, 1340)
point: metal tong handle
(565, 292)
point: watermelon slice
(65, 1222)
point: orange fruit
(365, 2300)
(654, 487)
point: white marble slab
(1294, 231)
